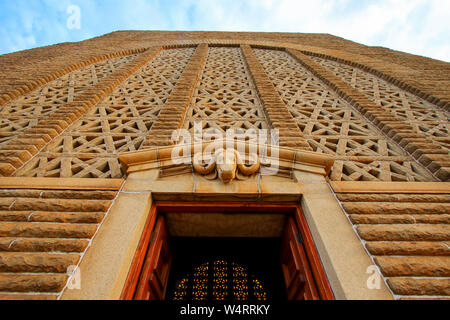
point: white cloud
(396, 24)
(385, 23)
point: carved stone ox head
(227, 165)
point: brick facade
(69, 111)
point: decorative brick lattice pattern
(423, 149)
(423, 116)
(225, 96)
(332, 126)
(89, 147)
(24, 112)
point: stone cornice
(160, 157)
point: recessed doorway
(227, 251)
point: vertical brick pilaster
(422, 149)
(28, 143)
(172, 114)
(276, 111)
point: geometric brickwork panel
(332, 126)
(24, 112)
(422, 115)
(225, 96)
(152, 85)
(89, 148)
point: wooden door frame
(159, 207)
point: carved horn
(248, 170)
(201, 168)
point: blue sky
(416, 26)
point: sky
(420, 27)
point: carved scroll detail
(226, 165)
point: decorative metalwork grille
(423, 116)
(225, 96)
(89, 148)
(332, 126)
(24, 112)
(219, 280)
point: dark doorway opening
(252, 269)
(278, 238)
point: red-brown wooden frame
(320, 278)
